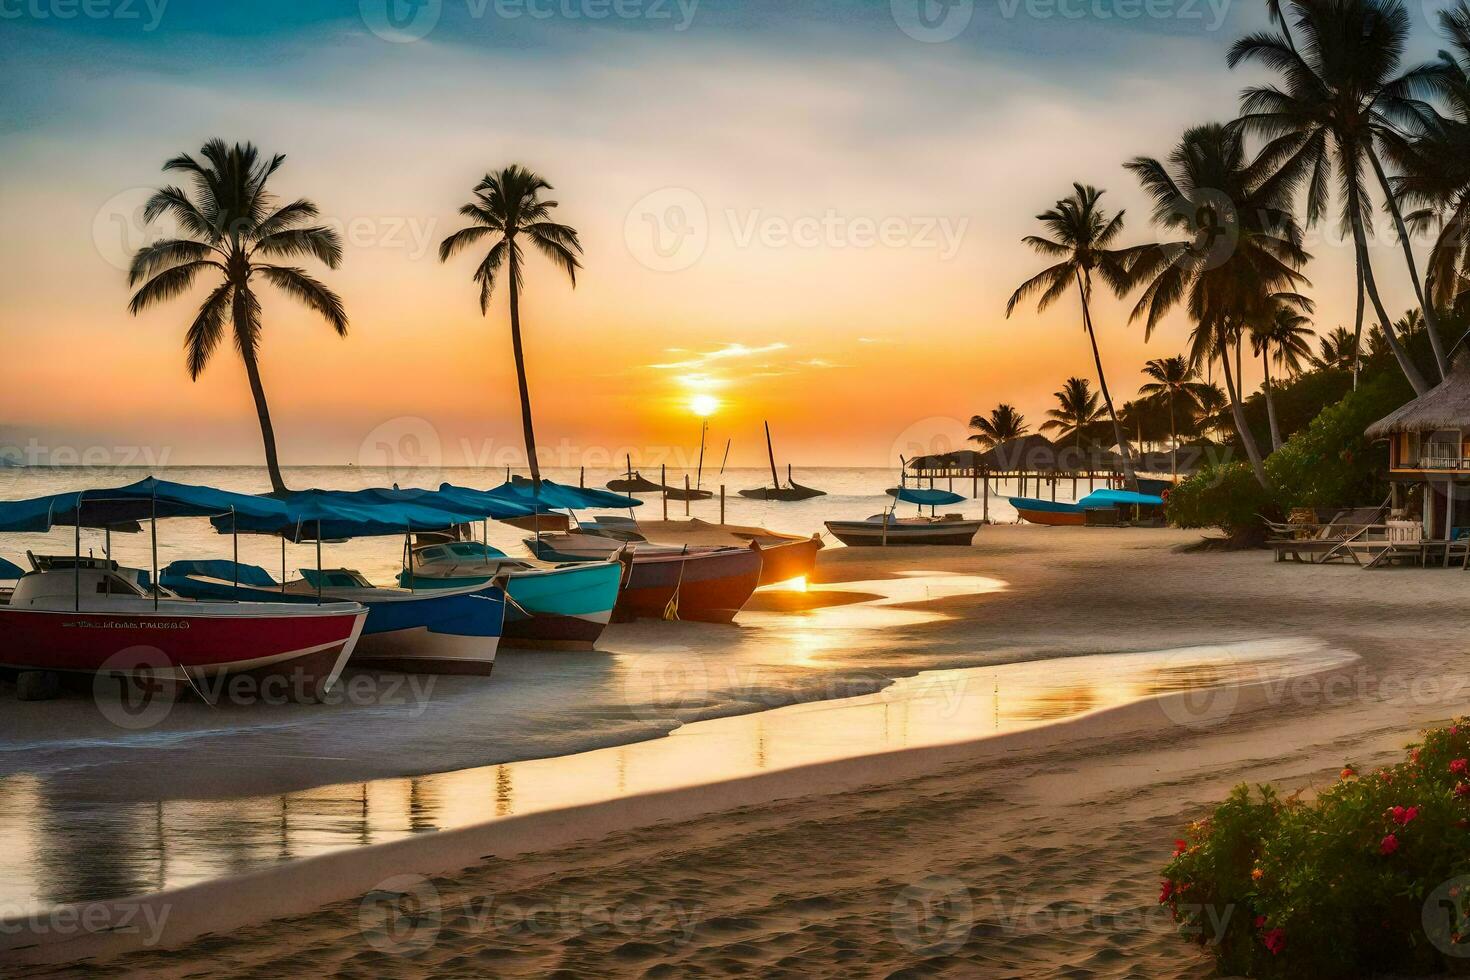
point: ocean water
(852, 494)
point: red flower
(1460, 766)
(1414, 755)
(1388, 845)
(1348, 772)
(1462, 788)
(1166, 892)
(1180, 847)
(1274, 940)
(1402, 815)
(1260, 921)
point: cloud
(705, 359)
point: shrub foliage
(1372, 877)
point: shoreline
(300, 886)
(789, 869)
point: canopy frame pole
(318, 563)
(107, 542)
(76, 565)
(283, 559)
(235, 542)
(153, 536)
(408, 547)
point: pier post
(985, 500)
(1053, 489)
(663, 481)
(582, 479)
(686, 494)
(722, 503)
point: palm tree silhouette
(1082, 233)
(1004, 424)
(1338, 98)
(1283, 339)
(1337, 349)
(1175, 380)
(228, 225)
(1238, 245)
(508, 206)
(1077, 413)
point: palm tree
(229, 224)
(1175, 380)
(1434, 165)
(1082, 233)
(1338, 98)
(1337, 349)
(508, 207)
(1077, 413)
(1281, 338)
(1238, 246)
(1004, 424)
(1209, 417)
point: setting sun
(704, 405)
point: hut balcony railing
(1435, 461)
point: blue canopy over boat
(925, 498)
(127, 505)
(312, 514)
(221, 569)
(1119, 498)
(9, 570)
(560, 496)
(1045, 506)
(472, 502)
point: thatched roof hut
(1445, 406)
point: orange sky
(779, 303)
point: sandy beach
(1029, 854)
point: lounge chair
(1343, 536)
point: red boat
(705, 586)
(96, 620)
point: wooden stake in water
(686, 494)
(722, 504)
(663, 482)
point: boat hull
(561, 608)
(787, 560)
(304, 653)
(860, 534)
(709, 587)
(454, 632)
(1048, 512)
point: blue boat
(566, 607)
(1055, 514)
(451, 631)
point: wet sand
(1031, 855)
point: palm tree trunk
(1246, 437)
(515, 340)
(1358, 331)
(263, 412)
(1365, 266)
(1102, 383)
(1431, 321)
(1173, 442)
(1270, 402)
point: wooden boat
(85, 619)
(790, 492)
(449, 631)
(634, 483)
(1049, 512)
(703, 586)
(690, 494)
(782, 561)
(885, 529)
(564, 608)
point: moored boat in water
(885, 529)
(454, 631)
(89, 618)
(709, 586)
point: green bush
(1372, 877)
(1226, 496)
